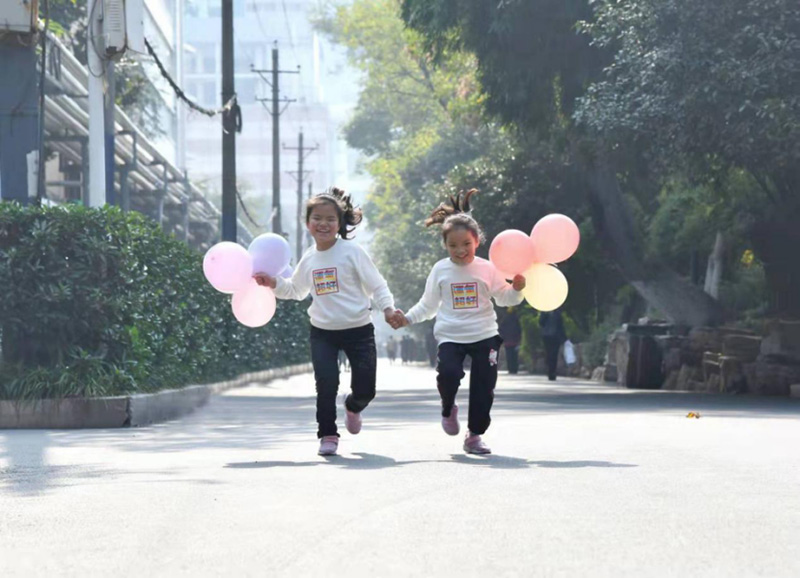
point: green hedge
(100, 302)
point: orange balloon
(546, 288)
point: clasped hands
(395, 318)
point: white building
(325, 91)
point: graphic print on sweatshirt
(465, 295)
(325, 281)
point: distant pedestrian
(511, 332)
(391, 349)
(551, 324)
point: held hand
(400, 319)
(518, 283)
(265, 280)
(393, 317)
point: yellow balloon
(546, 287)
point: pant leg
(324, 357)
(359, 346)
(551, 347)
(512, 358)
(482, 381)
(449, 373)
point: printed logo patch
(325, 281)
(492, 357)
(465, 295)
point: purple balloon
(228, 267)
(271, 254)
(287, 273)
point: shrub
(101, 302)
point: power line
(229, 106)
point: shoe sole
(478, 452)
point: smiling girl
(458, 293)
(343, 279)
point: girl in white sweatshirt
(343, 279)
(458, 293)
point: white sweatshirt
(459, 296)
(343, 279)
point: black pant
(359, 346)
(512, 358)
(551, 347)
(482, 378)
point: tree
(706, 88)
(534, 66)
(423, 123)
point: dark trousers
(512, 358)
(482, 378)
(551, 347)
(358, 345)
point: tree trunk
(677, 298)
(714, 268)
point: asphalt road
(585, 480)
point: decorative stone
(773, 377)
(731, 374)
(713, 384)
(671, 382)
(687, 376)
(710, 364)
(744, 347)
(782, 340)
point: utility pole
(301, 156)
(97, 157)
(109, 123)
(276, 153)
(228, 128)
(308, 235)
(19, 110)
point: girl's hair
(455, 214)
(348, 215)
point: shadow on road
(510, 463)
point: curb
(126, 410)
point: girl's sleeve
(373, 282)
(298, 286)
(428, 305)
(503, 292)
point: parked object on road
(569, 353)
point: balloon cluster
(553, 239)
(229, 268)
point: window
(209, 94)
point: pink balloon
(556, 238)
(254, 305)
(228, 267)
(512, 252)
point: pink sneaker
(352, 421)
(328, 445)
(473, 444)
(450, 424)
